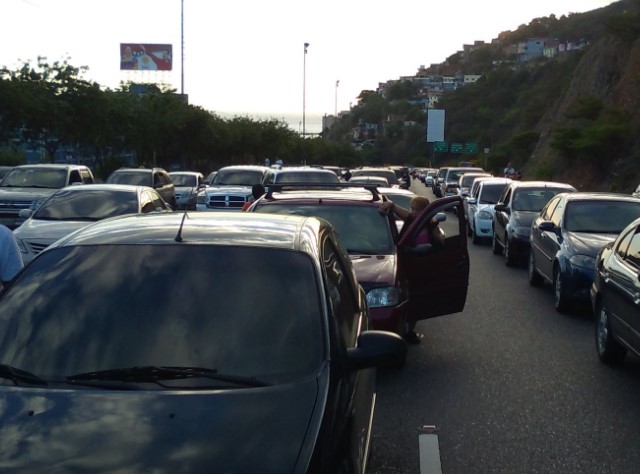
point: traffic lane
(511, 385)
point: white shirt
(10, 256)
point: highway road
(507, 386)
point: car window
(130, 177)
(547, 211)
(306, 177)
(633, 253)
(36, 178)
(506, 196)
(558, 211)
(360, 228)
(186, 180)
(623, 244)
(491, 192)
(92, 205)
(237, 177)
(610, 217)
(146, 203)
(116, 307)
(532, 199)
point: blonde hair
(419, 202)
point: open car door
(437, 275)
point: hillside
(570, 118)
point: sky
(247, 57)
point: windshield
(389, 174)
(491, 193)
(95, 204)
(92, 308)
(532, 199)
(600, 217)
(306, 177)
(238, 177)
(35, 178)
(184, 180)
(131, 177)
(361, 229)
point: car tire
(475, 238)
(608, 349)
(509, 259)
(535, 279)
(496, 248)
(560, 296)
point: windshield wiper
(155, 374)
(18, 375)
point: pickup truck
(27, 186)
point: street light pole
(304, 90)
(335, 114)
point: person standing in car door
(10, 257)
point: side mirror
(547, 226)
(440, 217)
(501, 208)
(377, 349)
(472, 201)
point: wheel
(474, 238)
(495, 245)
(509, 258)
(560, 296)
(535, 279)
(609, 350)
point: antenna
(179, 235)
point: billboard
(435, 125)
(145, 57)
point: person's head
(417, 204)
(257, 190)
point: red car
(400, 281)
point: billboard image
(145, 57)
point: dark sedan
(614, 295)
(518, 206)
(568, 234)
(199, 343)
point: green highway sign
(471, 148)
(457, 147)
(441, 146)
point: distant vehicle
(187, 184)
(568, 234)
(4, 170)
(481, 207)
(230, 188)
(301, 174)
(27, 186)
(466, 180)
(388, 173)
(518, 206)
(221, 342)
(614, 296)
(156, 178)
(74, 207)
(450, 182)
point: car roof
(338, 193)
(52, 166)
(186, 173)
(540, 184)
(105, 186)
(599, 196)
(204, 228)
(244, 167)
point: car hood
(374, 270)
(47, 231)
(584, 243)
(25, 194)
(523, 218)
(156, 431)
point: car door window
(549, 208)
(633, 253)
(146, 203)
(558, 211)
(158, 202)
(506, 197)
(623, 244)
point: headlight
(202, 198)
(583, 261)
(522, 232)
(387, 296)
(485, 215)
(21, 246)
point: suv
(519, 205)
(231, 187)
(156, 178)
(27, 186)
(387, 266)
(138, 329)
(187, 185)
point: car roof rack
(306, 186)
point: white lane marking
(429, 454)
